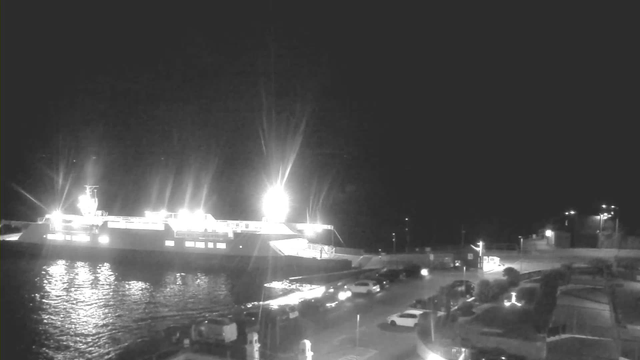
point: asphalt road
(336, 335)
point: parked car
(342, 292)
(382, 282)
(364, 287)
(251, 319)
(431, 303)
(415, 271)
(406, 318)
(286, 312)
(315, 306)
(421, 304)
(392, 274)
(465, 288)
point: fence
(349, 251)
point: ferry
(165, 235)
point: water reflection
(78, 310)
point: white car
(407, 318)
(364, 287)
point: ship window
(57, 236)
(169, 243)
(189, 244)
(200, 244)
(221, 245)
(210, 245)
(80, 237)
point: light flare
(275, 205)
(30, 197)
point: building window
(221, 245)
(210, 245)
(200, 244)
(189, 244)
(169, 243)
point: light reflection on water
(81, 310)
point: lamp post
(606, 215)
(479, 250)
(406, 229)
(617, 217)
(570, 214)
(521, 243)
(600, 227)
(393, 238)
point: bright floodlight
(548, 233)
(275, 204)
(424, 272)
(87, 205)
(56, 219)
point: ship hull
(162, 248)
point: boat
(165, 236)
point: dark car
(465, 288)
(315, 306)
(311, 307)
(392, 275)
(421, 304)
(413, 271)
(434, 302)
(249, 321)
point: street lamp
(521, 243)
(406, 229)
(568, 213)
(479, 250)
(617, 217)
(393, 238)
(604, 216)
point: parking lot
(358, 328)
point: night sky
(484, 117)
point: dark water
(63, 309)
